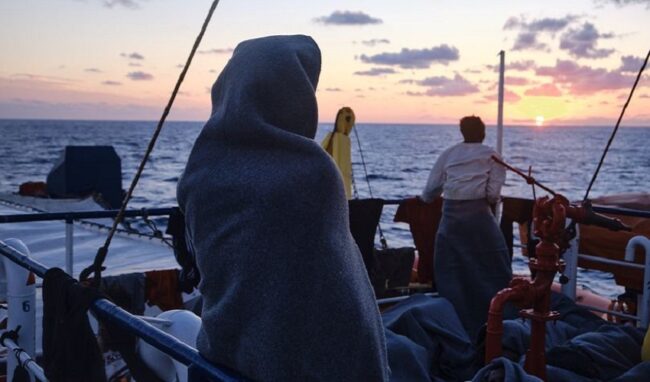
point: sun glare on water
(539, 121)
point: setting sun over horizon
(428, 62)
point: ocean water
(398, 160)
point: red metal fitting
(550, 218)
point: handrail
(25, 360)
(622, 211)
(134, 325)
(597, 208)
(45, 216)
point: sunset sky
(416, 61)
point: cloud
(135, 64)
(347, 18)
(582, 42)
(374, 72)
(375, 41)
(139, 76)
(132, 56)
(111, 83)
(528, 40)
(132, 4)
(508, 96)
(443, 86)
(529, 31)
(547, 24)
(623, 3)
(217, 51)
(414, 58)
(544, 90)
(510, 81)
(42, 78)
(521, 66)
(517, 81)
(585, 80)
(333, 89)
(630, 64)
(92, 70)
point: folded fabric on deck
(423, 219)
(503, 369)
(430, 324)
(604, 354)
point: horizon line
(330, 122)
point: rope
(382, 239)
(102, 252)
(355, 192)
(620, 117)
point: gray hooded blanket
(286, 294)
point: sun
(539, 121)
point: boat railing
(572, 255)
(70, 217)
(107, 311)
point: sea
(397, 161)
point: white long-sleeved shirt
(466, 172)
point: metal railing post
(21, 304)
(24, 359)
(69, 246)
(641, 242)
(571, 267)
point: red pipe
(549, 217)
(494, 331)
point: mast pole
(502, 69)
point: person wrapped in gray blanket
(286, 296)
(471, 261)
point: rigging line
(355, 192)
(103, 251)
(382, 239)
(620, 117)
(363, 162)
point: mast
(502, 69)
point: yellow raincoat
(337, 144)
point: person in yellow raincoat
(337, 145)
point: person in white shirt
(471, 262)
